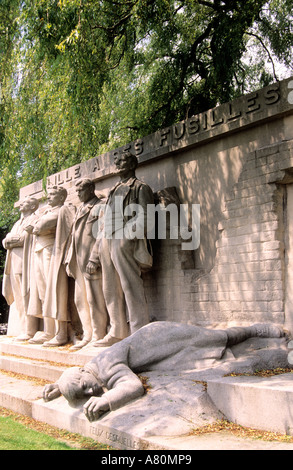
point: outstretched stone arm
(123, 387)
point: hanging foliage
(80, 77)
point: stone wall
(235, 162)
(248, 280)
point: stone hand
(95, 407)
(91, 267)
(50, 392)
(12, 241)
(29, 228)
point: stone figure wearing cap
(124, 237)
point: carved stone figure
(83, 265)
(124, 239)
(44, 231)
(56, 305)
(16, 280)
(110, 378)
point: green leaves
(80, 77)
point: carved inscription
(221, 115)
(73, 173)
(180, 134)
(115, 438)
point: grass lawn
(18, 432)
(16, 436)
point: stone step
(31, 368)
(257, 402)
(18, 394)
(60, 355)
(163, 418)
(38, 361)
(25, 397)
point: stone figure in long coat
(17, 272)
(123, 251)
(56, 304)
(44, 250)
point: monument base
(175, 402)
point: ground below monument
(175, 403)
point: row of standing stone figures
(49, 246)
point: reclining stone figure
(109, 380)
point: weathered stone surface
(231, 161)
(255, 401)
(175, 404)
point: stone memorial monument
(175, 251)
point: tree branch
(208, 4)
(267, 51)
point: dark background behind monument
(4, 309)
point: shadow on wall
(204, 175)
(206, 180)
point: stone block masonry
(248, 281)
